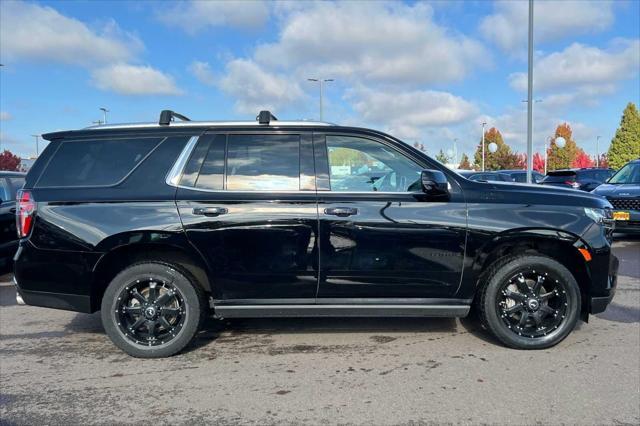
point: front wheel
(152, 310)
(530, 302)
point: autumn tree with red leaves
(538, 162)
(582, 160)
(9, 161)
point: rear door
(248, 203)
(381, 238)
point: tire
(153, 309)
(515, 320)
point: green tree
(443, 157)
(625, 145)
(562, 158)
(465, 164)
(502, 159)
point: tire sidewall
(500, 329)
(163, 272)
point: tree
(465, 164)
(9, 161)
(582, 160)
(419, 146)
(443, 157)
(625, 145)
(604, 161)
(503, 158)
(538, 162)
(562, 158)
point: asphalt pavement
(59, 367)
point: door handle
(341, 211)
(210, 211)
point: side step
(288, 311)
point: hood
(625, 190)
(536, 194)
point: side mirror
(434, 182)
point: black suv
(586, 179)
(159, 225)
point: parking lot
(59, 367)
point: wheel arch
(559, 245)
(116, 259)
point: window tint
(5, 190)
(16, 184)
(263, 162)
(363, 165)
(95, 163)
(212, 171)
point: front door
(248, 204)
(380, 236)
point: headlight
(598, 215)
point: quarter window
(363, 165)
(95, 163)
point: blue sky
(423, 71)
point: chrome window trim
(175, 174)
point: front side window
(630, 173)
(362, 165)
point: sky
(429, 72)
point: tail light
(24, 213)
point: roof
(187, 124)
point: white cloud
(256, 89)
(202, 71)
(377, 42)
(5, 116)
(134, 80)
(583, 72)
(194, 16)
(553, 20)
(407, 114)
(32, 32)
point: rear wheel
(152, 309)
(530, 302)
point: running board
(287, 311)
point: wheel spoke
(140, 298)
(523, 319)
(538, 285)
(151, 326)
(547, 310)
(522, 284)
(546, 296)
(513, 309)
(153, 292)
(518, 297)
(163, 322)
(137, 324)
(132, 310)
(169, 311)
(164, 298)
(537, 317)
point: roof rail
(167, 116)
(265, 117)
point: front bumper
(599, 303)
(632, 225)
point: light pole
(483, 124)
(321, 81)
(546, 156)
(530, 97)
(37, 144)
(598, 151)
(104, 114)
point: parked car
(586, 179)
(160, 224)
(10, 183)
(623, 192)
(520, 176)
(488, 176)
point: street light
(321, 81)
(483, 124)
(37, 144)
(104, 114)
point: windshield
(630, 173)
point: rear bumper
(54, 279)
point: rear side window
(95, 163)
(554, 177)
